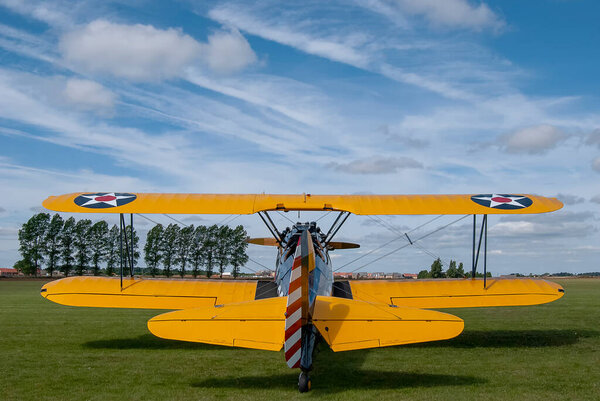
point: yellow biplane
(303, 303)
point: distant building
(7, 272)
(373, 276)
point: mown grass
(546, 352)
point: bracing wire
(258, 263)
(285, 217)
(326, 214)
(175, 220)
(147, 218)
(229, 221)
(387, 243)
(415, 240)
(396, 231)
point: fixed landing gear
(304, 383)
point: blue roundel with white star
(103, 200)
(502, 201)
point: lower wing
(456, 293)
(147, 293)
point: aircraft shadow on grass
(468, 339)
(336, 372)
(511, 339)
(148, 341)
(343, 380)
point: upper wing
(104, 202)
(457, 293)
(147, 293)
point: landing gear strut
(304, 382)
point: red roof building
(6, 272)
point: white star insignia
(497, 200)
(110, 198)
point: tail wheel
(304, 382)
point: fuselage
(321, 278)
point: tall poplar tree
(152, 249)
(238, 257)
(82, 245)
(223, 247)
(210, 251)
(31, 240)
(168, 250)
(98, 236)
(136, 248)
(67, 247)
(112, 251)
(52, 243)
(198, 254)
(183, 247)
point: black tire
(304, 382)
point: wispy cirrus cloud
(376, 165)
(457, 14)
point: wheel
(304, 382)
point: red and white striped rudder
(293, 313)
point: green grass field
(546, 352)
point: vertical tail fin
(298, 306)
(293, 313)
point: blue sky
(373, 96)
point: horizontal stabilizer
(348, 324)
(147, 293)
(255, 324)
(457, 293)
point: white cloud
(376, 165)
(137, 52)
(228, 52)
(452, 13)
(88, 95)
(596, 164)
(144, 53)
(536, 139)
(595, 199)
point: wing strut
(337, 224)
(129, 250)
(482, 235)
(271, 226)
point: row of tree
(83, 246)
(454, 271)
(69, 245)
(195, 247)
